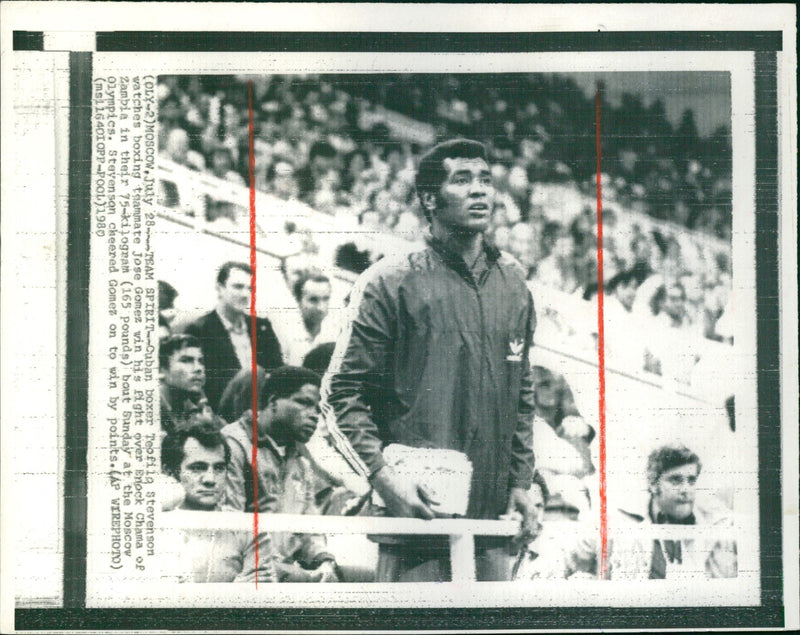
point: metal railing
(460, 531)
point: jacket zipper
(483, 366)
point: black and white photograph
(347, 152)
(453, 324)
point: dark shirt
(666, 550)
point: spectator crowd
(348, 147)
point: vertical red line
(251, 165)
(601, 343)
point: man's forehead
(192, 351)
(238, 276)
(688, 469)
(194, 451)
(306, 390)
(457, 164)
(316, 287)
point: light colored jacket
(217, 555)
(632, 558)
(287, 484)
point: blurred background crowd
(347, 145)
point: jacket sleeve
(360, 361)
(236, 485)
(269, 348)
(265, 570)
(522, 460)
(313, 548)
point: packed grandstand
(341, 151)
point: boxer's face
(466, 198)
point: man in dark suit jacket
(225, 333)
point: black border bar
(28, 41)
(559, 619)
(370, 42)
(768, 339)
(77, 343)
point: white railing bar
(461, 531)
(650, 379)
(301, 523)
(673, 532)
(187, 221)
(184, 519)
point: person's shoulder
(512, 268)
(506, 261)
(236, 432)
(391, 270)
(263, 323)
(201, 323)
(710, 510)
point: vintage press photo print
(332, 160)
(375, 330)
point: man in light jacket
(672, 472)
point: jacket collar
(265, 440)
(455, 261)
(662, 519)
(243, 324)
(647, 514)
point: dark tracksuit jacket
(432, 358)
